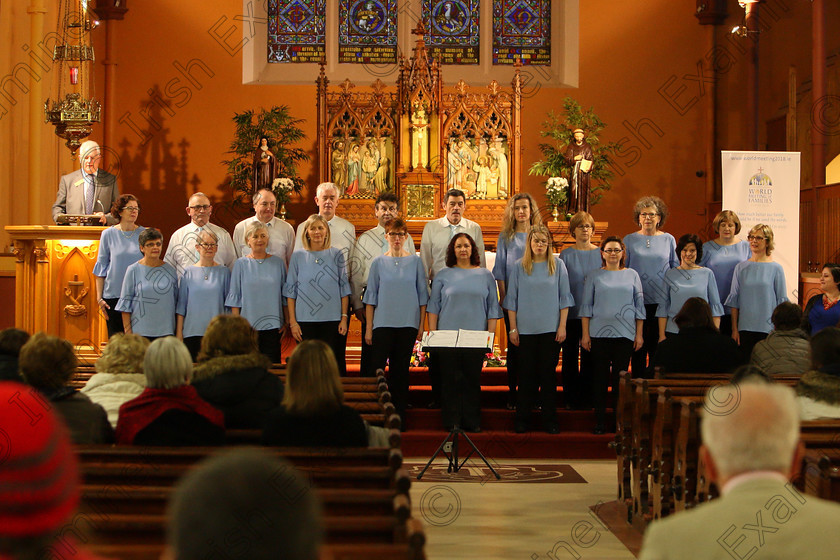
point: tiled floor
(527, 521)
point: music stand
(78, 220)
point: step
(496, 445)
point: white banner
(763, 188)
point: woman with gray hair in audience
(169, 411)
(119, 374)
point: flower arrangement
(283, 188)
(418, 357)
(493, 359)
(555, 191)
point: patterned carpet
(476, 471)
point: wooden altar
(418, 140)
(55, 290)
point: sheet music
(458, 339)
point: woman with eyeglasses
(521, 213)
(317, 290)
(612, 316)
(722, 255)
(118, 248)
(201, 293)
(822, 310)
(580, 260)
(651, 253)
(538, 301)
(395, 308)
(256, 290)
(758, 286)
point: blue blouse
(819, 317)
(317, 281)
(256, 288)
(722, 259)
(201, 296)
(579, 264)
(613, 300)
(537, 298)
(116, 252)
(684, 284)
(397, 287)
(651, 256)
(757, 288)
(508, 251)
(150, 293)
(464, 298)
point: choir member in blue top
(538, 300)
(686, 281)
(581, 259)
(395, 306)
(318, 291)
(463, 297)
(758, 286)
(256, 290)
(822, 310)
(521, 213)
(118, 248)
(201, 293)
(651, 253)
(150, 291)
(612, 312)
(721, 255)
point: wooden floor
(527, 521)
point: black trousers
(726, 325)
(512, 363)
(395, 345)
(609, 356)
(366, 367)
(327, 331)
(461, 386)
(193, 344)
(268, 342)
(113, 317)
(650, 332)
(748, 341)
(538, 377)
(577, 382)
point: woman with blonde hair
(119, 374)
(521, 213)
(722, 255)
(313, 413)
(321, 313)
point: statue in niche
(370, 163)
(483, 179)
(419, 137)
(264, 166)
(381, 180)
(339, 169)
(354, 170)
(453, 166)
(466, 155)
(579, 154)
(500, 166)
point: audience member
(786, 350)
(822, 310)
(233, 375)
(313, 412)
(244, 503)
(698, 347)
(11, 341)
(819, 389)
(752, 453)
(169, 411)
(119, 374)
(47, 363)
(749, 373)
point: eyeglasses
(648, 214)
(612, 250)
(397, 234)
(585, 226)
(755, 238)
(200, 207)
(132, 208)
(208, 245)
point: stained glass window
(367, 31)
(296, 30)
(452, 30)
(522, 30)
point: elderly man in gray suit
(750, 448)
(88, 190)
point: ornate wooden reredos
(420, 141)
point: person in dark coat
(313, 413)
(47, 363)
(11, 341)
(787, 349)
(233, 375)
(699, 347)
(169, 411)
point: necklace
(829, 302)
(129, 235)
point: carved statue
(579, 154)
(264, 166)
(354, 170)
(500, 164)
(339, 169)
(383, 176)
(482, 178)
(419, 138)
(370, 163)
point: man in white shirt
(437, 233)
(281, 236)
(181, 252)
(371, 244)
(342, 232)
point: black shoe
(552, 429)
(520, 427)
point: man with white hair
(342, 232)
(181, 252)
(88, 190)
(281, 236)
(751, 449)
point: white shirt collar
(742, 478)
